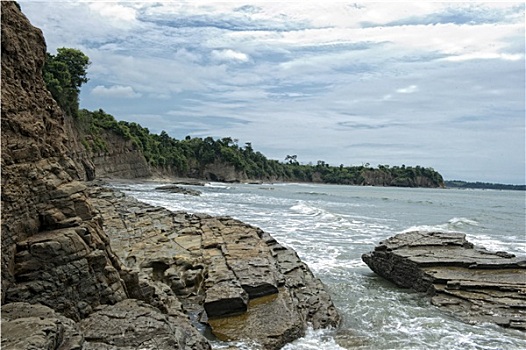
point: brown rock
(472, 283)
(27, 327)
(133, 324)
(245, 285)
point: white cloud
(408, 90)
(229, 55)
(115, 91)
(114, 12)
(485, 56)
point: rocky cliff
(63, 285)
(57, 264)
(44, 207)
(121, 160)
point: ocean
(331, 226)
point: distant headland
(483, 185)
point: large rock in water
(230, 275)
(475, 284)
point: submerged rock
(178, 189)
(475, 284)
(232, 276)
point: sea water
(331, 226)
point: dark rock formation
(178, 189)
(241, 281)
(472, 283)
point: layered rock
(27, 326)
(230, 275)
(121, 160)
(53, 248)
(57, 264)
(471, 282)
(63, 287)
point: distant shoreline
(482, 185)
(449, 184)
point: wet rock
(471, 282)
(241, 281)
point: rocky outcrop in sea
(476, 285)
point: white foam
(314, 340)
(305, 209)
(216, 185)
(460, 222)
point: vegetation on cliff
(65, 73)
(189, 157)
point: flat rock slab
(471, 282)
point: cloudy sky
(436, 84)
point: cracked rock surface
(234, 277)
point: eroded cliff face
(53, 248)
(121, 161)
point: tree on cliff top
(64, 74)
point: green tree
(64, 74)
(77, 63)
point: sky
(435, 84)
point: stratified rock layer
(58, 267)
(53, 248)
(235, 277)
(472, 283)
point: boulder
(133, 324)
(27, 327)
(471, 282)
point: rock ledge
(471, 282)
